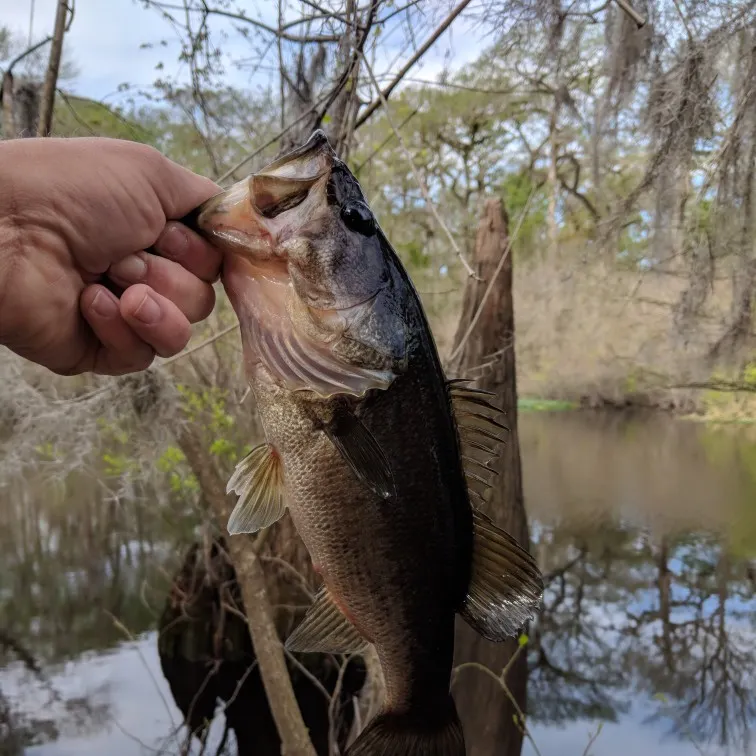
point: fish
(377, 456)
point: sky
(106, 38)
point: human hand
(75, 210)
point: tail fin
(389, 734)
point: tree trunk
(486, 712)
(20, 104)
(26, 109)
(295, 740)
(9, 124)
(51, 77)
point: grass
(528, 404)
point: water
(646, 527)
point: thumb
(178, 189)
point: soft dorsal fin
(258, 482)
(480, 434)
(505, 584)
(325, 629)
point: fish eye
(358, 218)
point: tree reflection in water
(662, 615)
(644, 529)
(673, 619)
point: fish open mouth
(250, 215)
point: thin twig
(592, 739)
(384, 94)
(165, 363)
(300, 578)
(332, 713)
(639, 20)
(120, 626)
(247, 672)
(201, 345)
(430, 204)
(385, 141)
(502, 683)
(306, 672)
(230, 172)
(74, 113)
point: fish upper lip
(316, 141)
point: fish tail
(411, 734)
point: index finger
(191, 251)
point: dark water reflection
(645, 526)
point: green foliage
(172, 463)
(544, 405)
(46, 452)
(749, 374)
(209, 408)
(80, 116)
(519, 193)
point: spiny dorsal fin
(326, 630)
(480, 434)
(505, 585)
(258, 481)
(362, 452)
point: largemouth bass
(375, 453)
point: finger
(183, 246)
(194, 297)
(121, 350)
(155, 319)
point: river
(644, 525)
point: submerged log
(485, 345)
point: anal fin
(325, 629)
(505, 585)
(259, 483)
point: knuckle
(205, 304)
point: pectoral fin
(258, 481)
(325, 629)
(506, 585)
(362, 452)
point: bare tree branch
(384, 94)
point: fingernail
(132, 269)
(173, 243)
(148, 312)
(105, 304)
